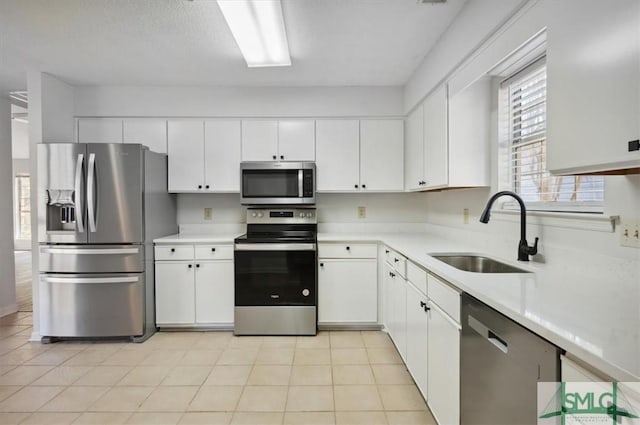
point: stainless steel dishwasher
(501, 363)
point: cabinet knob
(213, 250)
(395, 260)
(348, 248)
(199, 186)
(281, 156)
(355, 185)
(392, 274)
(423, 304)
(274, 157)
(386, 251)
(321, 264)
(364, 186)
(190, 265)
(206, 187)
(197, 266)
(173, 250)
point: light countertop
(602, 327)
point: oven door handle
(275, 247)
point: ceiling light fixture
(258, 28)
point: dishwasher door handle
(488, 334)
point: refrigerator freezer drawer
(89, 305)
(91, 258)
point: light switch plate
(208, 213)
(630, 233)
(362, 212)
(465, 216)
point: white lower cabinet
(396, 308)
(213, 294)
(175, 293)
(443, 369)
(194, 291)
(347, 284)
(418, 338)
(347, 291)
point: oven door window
(265, 278)
(270, 184)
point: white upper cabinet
(469, 135)
(149, 132)
(296, 140)
(273, 140)
(222, 155)
(381, 155)
(435, 153)
(259, 140)
(593, 85)
(185, 143)
(99, 130)
(414, 150)
(337, 155)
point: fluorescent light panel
(258, 27)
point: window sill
(591, 222)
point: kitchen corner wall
(7, 274)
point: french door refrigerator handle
(78, 194)
(91, 198)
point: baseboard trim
(338, 326)
(10, 309)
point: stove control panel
(281, 216)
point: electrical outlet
(465, 216)
(362, 212)
(630, 233)
(208, 213)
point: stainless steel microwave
(277, 183)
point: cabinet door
(175, 293)
(417, 337)
(436, 158)
(297, 140)
(222, 155)
(149, 132)
(443, 385)
(399, 299)
(347, 291)
(214, 292)
(185, 146)
(593, 86)
(381, 155)
(337, 155)
(387, 302)
(414, 150)
(99, 130)
(259, 140)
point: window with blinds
(524, 124)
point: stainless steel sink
(476, 263)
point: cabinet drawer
(447, 298)
(174, 252)
(347, 250)
(398, 262)
(214, 252)
(417, 276)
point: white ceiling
(180, 42)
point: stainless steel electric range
(276, 277)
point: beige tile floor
(206, 378)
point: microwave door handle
(78, 194)
(300, 185)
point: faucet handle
(533, 250)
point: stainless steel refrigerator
(99, 208)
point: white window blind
(526, 149)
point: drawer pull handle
(386, 251)
(395, 260)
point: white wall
(7, 275)
(19, 136)
(475, 23)
(332, 208)
(238, 101)
(51, 119)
